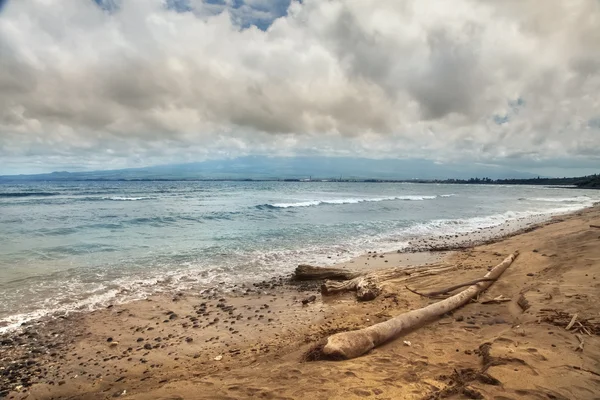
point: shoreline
(166, 344)
(419, 244)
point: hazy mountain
(257, 167)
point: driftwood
(449, 289)
(352, 344)
(367, 285)
(595, 226)
(581, 343)
(496, 300)
(572, 322)
(306, 272)
(589, 326)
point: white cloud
(500, 82)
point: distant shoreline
(571, 183)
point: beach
(251, 341)
(290, 199)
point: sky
(104, 84)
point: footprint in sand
(536, 355)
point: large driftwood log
(352, 344)
(367, 285)
(306, 272)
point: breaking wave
(578, 199)
(311, 203)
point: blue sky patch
(243, 13)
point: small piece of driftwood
(496, 300)
(581, 343)
(583, 328)
(595, 226)
(449, 289)
(572, 322)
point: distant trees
(482, 180)
(590, 181)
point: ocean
(72, 246)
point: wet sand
(250, 341)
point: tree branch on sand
(365, 284)
(447, 290)
(346, 345)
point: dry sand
(250, 343)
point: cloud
(134, 82)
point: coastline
(431, 236)
(248, 342)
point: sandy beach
(250, 341)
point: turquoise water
(77, 245)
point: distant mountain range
(273, 168)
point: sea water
(79, 245)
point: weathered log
(352, 344)
(595, 226)
(367, 285)
(306, 272)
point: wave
(110, 198)
(311, 203)
(76, 295)
(119, 198)
(60, 197)
(28, 194)
(259, 264)
(91, 302)
(577, 199)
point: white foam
(261, 265)
(118, 291)
(87, 304)
(309, 203)
(399, 239)
(578, 199)
(118, 198)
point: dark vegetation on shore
(582, 182)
